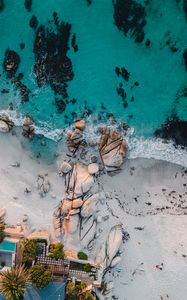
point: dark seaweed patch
(130, 17)
(52, 65)
(174, 129)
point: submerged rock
(174, 129)
(113, 149)
(28, 4)
(185, 7)
(1, 5)
(5, 123)
(130, 17)
(11, 62)
(33, 22)
(185, 57)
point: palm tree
(13, 283)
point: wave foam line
(138, 147)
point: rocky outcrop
(28, 127)
(43, 184)
(75, 214)
(113, 149)
(75, 138)
(11, 62)
(5, 123)
(174, 129)
(108, 251)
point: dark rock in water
(24, 91)
(73, 43)
(28, 4)
(60, 104)
(4, 91)
(11, 62)
(122, 72)
(185, 57)
(1, 5)
(33, 22)
(22, 46)
(185, 7)
(129, 17)
(174, 129)
(148, 43)
(89, 2)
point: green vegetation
(29, 251)
(87, 267)
(2, 235)
(40, 276)
(14, 283)
(78, 292)
(82, 255)
(57, 251)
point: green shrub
(87, 267)
(29, 251)
(40, 276)
(57, 251)
(82, 255)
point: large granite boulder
(74, 140)
(112, 148)
(78, 181)
(43, 184)
(109, 249)
(5, 123)
(28, 127)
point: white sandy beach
(147, 194)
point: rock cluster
(76, 212)
(5, 123)
(112, 148)
(28, 127)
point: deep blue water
(158, 69)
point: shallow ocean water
(160, 72)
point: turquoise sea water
(160, 72)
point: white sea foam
(138, 146)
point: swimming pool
(7, 246)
